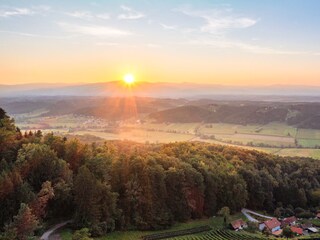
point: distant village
(277, 227)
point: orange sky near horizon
(176, 41)
(160, 67)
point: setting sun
(128, 78)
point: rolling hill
(303, 115)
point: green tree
(287, 232)
(225, 213)
(82, 234)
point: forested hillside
(302, 115)
(126, 185)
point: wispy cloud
(93, 30)
(130, 14)
(80, 14)
(168, 27)
(153, 45)
(217, 20)
(229, 44)
(103, 16)
(7, 12)
(10, 12)
(107, 44)
(87, 15)
(25, 34)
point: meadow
(215, 222)
(276, 138)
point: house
(305, 226)
(313, 230)
(297, 230)
(277, 233)
(238, 224)
(290, 221)
(272, 225)
(318, 215)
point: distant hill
(166, 90)
(304, 115)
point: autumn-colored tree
(24, 223)
(39, 205)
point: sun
(128, 79)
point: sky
(235, 42)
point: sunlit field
(280, 138)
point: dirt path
(47, 235)
(251, 218)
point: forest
(123, 185)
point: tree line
(123, 185)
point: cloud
(10, 12)
(107, 44)
(15, 12)
(130, 14)
(86, 15)
(168, 27)
(217, 20)
(103, 16)
(93, 30)
(80, 14)
(228, 44)
(25, 34)
(153, 45)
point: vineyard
(219, 234)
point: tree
(39, 205)
(82, 234)
(225, 213)
(24, 223)
(84, 190)
(287, 232)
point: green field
(219, 234)
(140, 135)
(216, 223)
(277, 138)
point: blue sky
(161, 41)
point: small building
(312, 230)
(277, 233)
(318, 215)
(305, 226)
(238, 224)
(297, 230)
(272, 225)
(290, 221)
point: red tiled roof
(237, 223)
(288, 221)
(277, 233)
(272, 223)
(297, 230)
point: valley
(277, 138)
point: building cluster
(276, 227)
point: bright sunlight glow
(128, 78)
